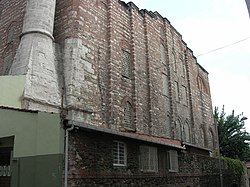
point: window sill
(119, 165)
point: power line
(225, 46)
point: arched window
(128, 120)
(211, 139)
(201, 84)
(8, 57)
(11, 32)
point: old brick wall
(91, 164)
(11, 22)
(94, 35)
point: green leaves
(232, 135)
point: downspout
(66, 158)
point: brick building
(133, 101)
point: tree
(232, 135)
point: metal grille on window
(5, 171)
(128, 116)
(119, 153)
(126, 64)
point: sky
(206, 26)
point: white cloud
(231, 90)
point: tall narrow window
(126, 64)
(173, 161)
(183, 68)
(162, 33)
(128, 120)
(184, 95)
(201, 85)
(168, 127)
(11, 32)
(201, 139)
(178, 130)
(1, 9)
(165, 84)
(187, 137)
(163, 54)
(174, 62)
(177, 91)
(7, 63)
(148, 159)
(119, 154)
(211, 140)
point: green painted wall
(11, 92)
(35, 133)
(37, 171)
(38, 147)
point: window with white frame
(119, 153)
(172, 161)
(148, 159)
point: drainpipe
(66, 159)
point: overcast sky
(207, 25)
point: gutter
(66, 157)
(197, 147)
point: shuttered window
(128, 120)
(173, 161)
(126, 64)
(148, 159)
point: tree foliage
(232, 135)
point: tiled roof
(137, 136)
